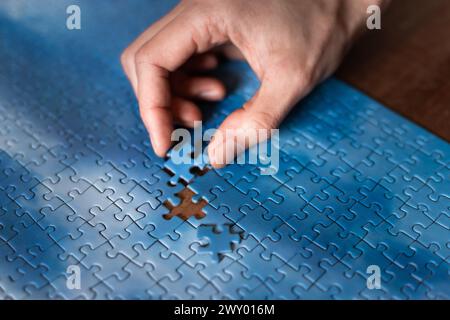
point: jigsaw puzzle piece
(332, 237)
(361, 216)
(373, 165)
(47, 167)
(234, 172)
(351, 152)
(239, 284)
(228, 199)
(393, 245)
(335, 285)
(440, 186)
(401, 278)
(179, 289)
(261, 292)
(311, 256)
(286, 203)
(398, 151)
(91, 198)
(424, 167)
(284, 247)
(258, 266)
(332, 204)
(105, 266)
(283, 289)
(114, 180)
(183, 165)
(297, 150)
(107, 221)
(316, 131)
(217, 217)
(258, 222)
(138, 202)
(13, 183)
(88, 236)
(304, 225)
(51, 259)
(139, 285)
(43, 198)
(211, 267)
(203, 185)
(420, 195)
(85, 165)
(314, 292)
(30, 241)
(408, 217)
(369, 255)
(435, 235)
(163, 266)
(31, 277)
(183, 247)
(217, 242)
(141, 169)
(17, 283)
(88, 280)
(328, 166)
(169, 192)
(157, 218)
(379, 197)
(353, 182)
(134, 236)
(437, 284)
(311, 184)
(262, 187)
(65, 186)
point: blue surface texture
(80, 186)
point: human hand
(290, 44)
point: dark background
(406, 64)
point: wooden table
(406, 64)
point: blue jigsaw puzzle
(80, 187)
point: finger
(164, 53)
(128, 56)
(205, 88)
(203, 62)
(230, 51)
(185, 112)
(253, 123)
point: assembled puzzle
(359, 188)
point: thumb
(255, 121)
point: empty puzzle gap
(198, 172)
(171, 174)
(187, 207)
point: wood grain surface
(406, 64)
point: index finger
(170, 48)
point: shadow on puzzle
(80, 186)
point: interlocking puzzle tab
(80, 186)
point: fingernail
(209, 94)
(156, 147)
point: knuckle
(264, 120)
(207, 28)
(125, 57)
(142, 55)
(301, 78)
